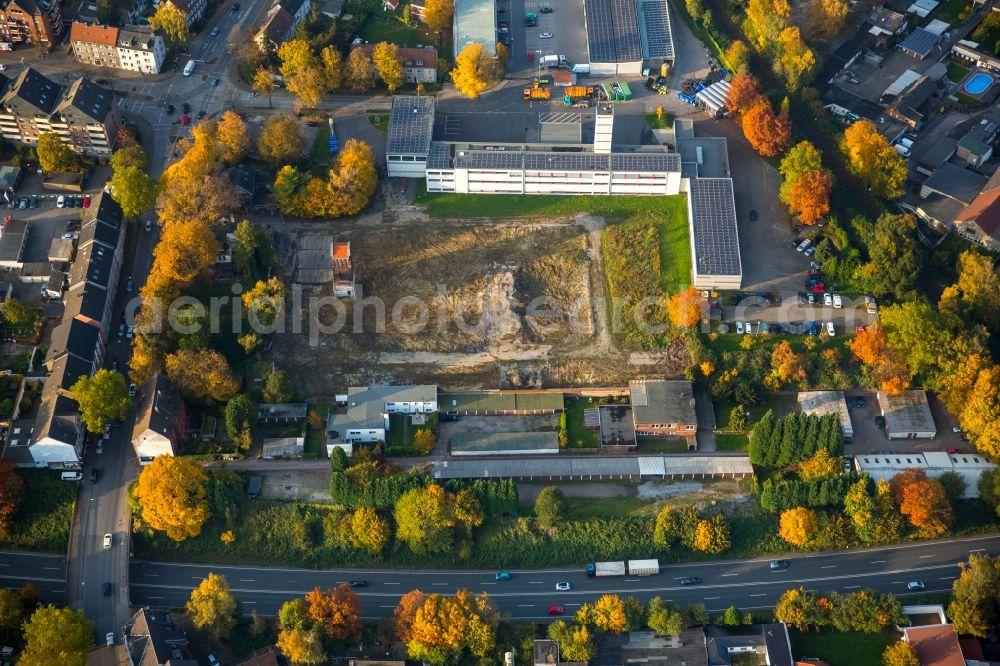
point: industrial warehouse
(698, 166)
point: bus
(189, 68)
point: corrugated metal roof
(594, 465)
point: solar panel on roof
(600, 31)
(410, 124)
(626, 28)
(717, 246)
(656, 24)
(649, 162)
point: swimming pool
(978, 83)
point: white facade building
(140, 49)
(970, 466)
(368, 408)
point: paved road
(746, 583)
(45, 571)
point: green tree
(17, 314)
(550, 507)
(241, 414)
(664, 618)
(212, 607)
(54, 154)
(575, 643)
(665, 532)
(278, 387)
(731, 617)
(975, 596)
(57, 636)
(253, 252)
(424, 519)
(293, 615)
(129, 156)
(894, 257)
(264, 302)
(102, 397)
(11, 612)
(133, 190)
(954, 486)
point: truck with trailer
(553, 61)
(632, 568)
(537, 93)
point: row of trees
(826, 492)
(769, 27)
(866, 610)
(793, 438)
(688, 528)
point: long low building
(501, 403)
(594, 468)
(970, 466)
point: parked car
(170, 109)
(61, 202)
(215, 31)
(951, 450)
(106, 588)
(830, 330)
(131, 390)
(447, 418)
(562, 586)
(128, 285)
(870, 305)
(748, 328)
(837, 301)
(545, 10)
(149, 225)
(827, 299)
(811, 297)
(86, 201)
(215, 82)
(185, 107)
(545, 35)
(110, 638)
(810, 251)
(801, 247)
(689, 580)
(108, 539)
(859, 402)
(739, 328)
(880, 422)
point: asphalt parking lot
(493, 424)
(565, 23)
(869, 439)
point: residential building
(30, 23)
(193, 10)
(970, 466)
(971, 53)
(268, 656)
(76, 347)
(244, 180)
(159, 422)
(821, 403)
(767, 643)
(285, 412)
(85, 115)
(281, 20)
(910, 107)
(976, 147)
(94, 44)
(662, 408)
(935, 645)
(152, 639)
(343, 270)
(419, 63)
(368, 409)
(885, 22)
(979, 222)
(141, 49)
(935, 156)
(907, 415)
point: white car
(739, 328)
(110, 638)
(545, 35)
(108, 540)
(827, 299)
(61, 202)
(830, 330)
(801, 247)
(748, 328)
(870, 306)
(100, 446)
(562, 587)
(837, 301)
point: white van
(189, 68)
(71, 476)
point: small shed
(822, 403)
(10, 177)
(61, 249)
(907, 415)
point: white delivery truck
(189, 68)
(643, 567)
(604, 569)
(552, 61)
(582, 69)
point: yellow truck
(537, 93)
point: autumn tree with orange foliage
(923, 501)
(786, 366)
(404, 614)
(684, 308)
(887, 364)
(338, 610)
(444, 627)
(744, 91)
(607, 614)
(799, 526)
(809, 196)
(768, 133)
(873, 160)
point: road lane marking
(762, 594)
(535, 582)
(390, 583)
(526, 605)
(439, 583)
(829, 566)
(727, 575)
(51, 568)
(924, 557)
(155, 598)
(247, 580)
(947, 578)
(852, 587)
(487, 583)
(386, 606)
(151, 575)
(977, 550)
(249, 602)
(877, 562)
(710, 598)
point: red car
(531, 56)
(557, 610)
(186, 119)
(951, 450)
(859, 329)
(818, 288)
(86, 201)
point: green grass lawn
(578, 436)
(950, 10)
(661, 445)
(582, 508)
(675, 246)
(731, 442)
(489, 205)
(841, 649)
(967, 100)
(379, 120)
(956, 72)
(656, 123)
(780, 404)
(43, 519)
(389, 29)
(320, 151)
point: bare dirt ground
(474, 303)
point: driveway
(869, 439)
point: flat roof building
(475, 23)
(623, 35)
(907, 415)
(505, 443)
(821, 403)
(368, 408)
(501, 403)
(585, 468)
(662, 407)
(411, 125)
(970, 466)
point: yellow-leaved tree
(202, 375)
(369, 530)
(388, 65)
(874, 161)
(212, 607)
(474, 71)
(172, 22)
(171, 497)
(799, 526)
(301, 646)
(711, 535)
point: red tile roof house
(936, 645)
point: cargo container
(604, 569)
(643, 567)
(582, 69)
(576, 92)
(553, 60)
(537, 93)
